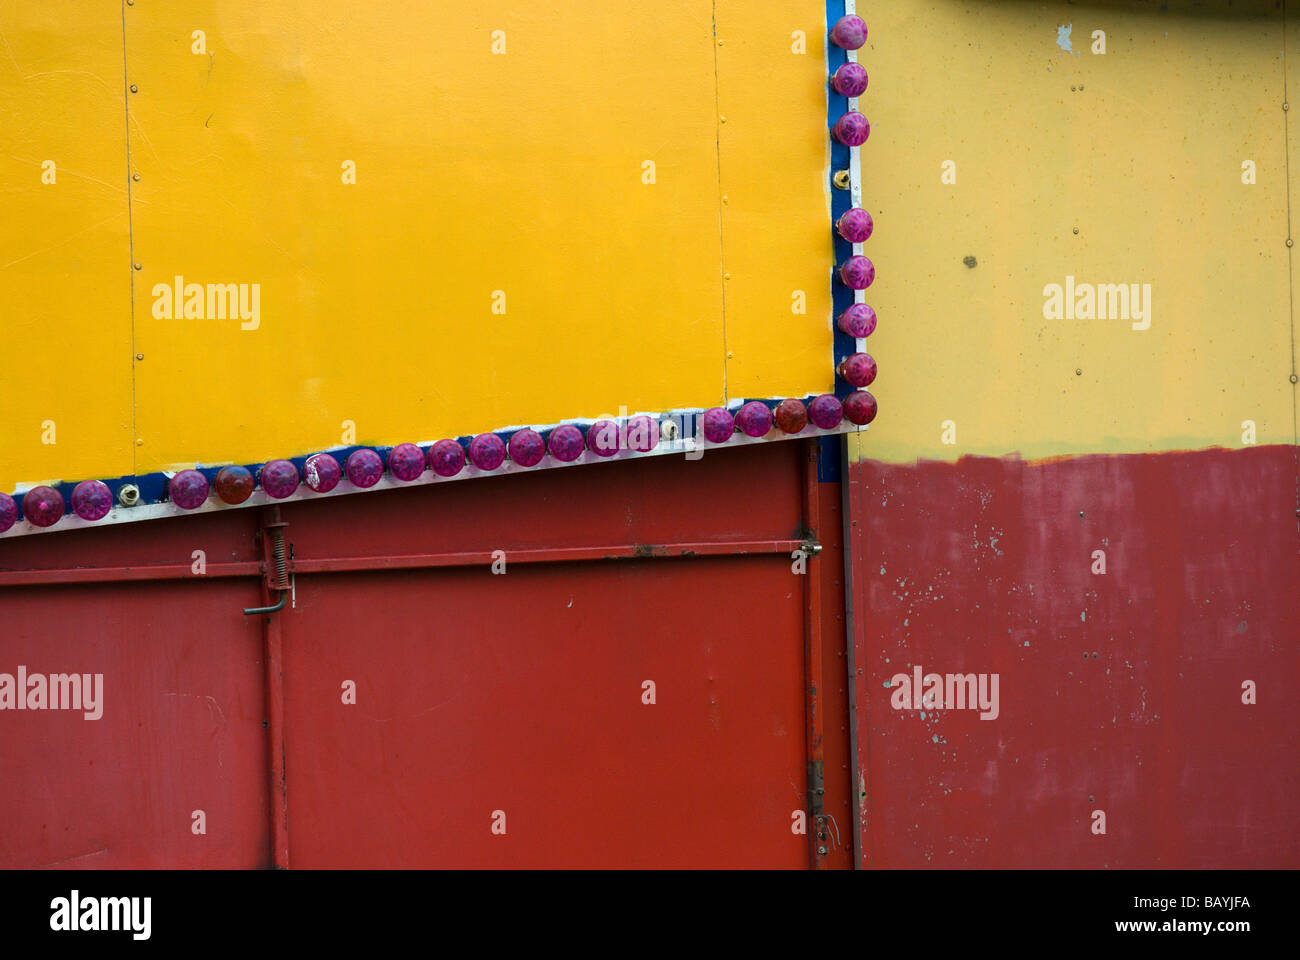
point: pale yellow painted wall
(1141, 149)
(475, 172)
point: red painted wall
(1119, 692)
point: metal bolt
(138, 266)
(129, 495)
(134, 88)
(135, 177)
(139, 356)
(822, 851)
(841, 179)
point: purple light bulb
(602, 438)
(527, 448)
(188, 489)
(322, 473)
(43, 506)
(850, 80)
(857, 273)
(406, 462)
(849, 32)
(825, 412)
(852, 129)
(566, 443)
(858, 369)
(855, 225)
(718, 425)
(486, 451)
(91, 499)
(279, 478)
(8, 512)
(446, 458)
(642, 434)
(754, 419)
(858, 320)
(364, 468)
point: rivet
(1078, 372)
(134, 88)
(138, 266)
(724, 198)
(135, 177)
(130, 3)
(1286, 106)
(822, 851)
(1091, 798)
(726, 276)
(139, 441)
(1081, 513)
(722, 119)
(1076, 231)
(128, 495)
(719, 43)
(1072, 89)
(1094, 654)
(1293, 378)
(139, 356)
(1290, 242)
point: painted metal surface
(1120, 692)
(452, 220)
(520, 691)
(1099, 509)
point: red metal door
(598, 667)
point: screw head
(134, 88)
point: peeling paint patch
(1063, 37)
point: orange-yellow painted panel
(773, 148)
(1141, 149)
(533, 233)
(65, 311)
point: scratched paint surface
(506, 255)
(1017, 445)
(1119, 692)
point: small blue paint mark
(886, 684)
(935, 738)
(1083, 616)
(1026, 643)
(1063, 37)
